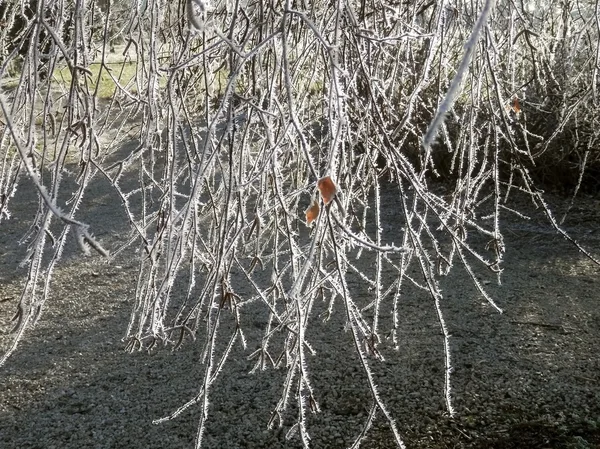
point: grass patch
(123, 73)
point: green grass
(123, 72)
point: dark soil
(529, 378)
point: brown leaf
(312, 212)
(515, 105)
(327, 188)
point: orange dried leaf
(327, 188)
(312, 212)
(516, 106)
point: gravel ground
(529, 378)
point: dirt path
(527, 378)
